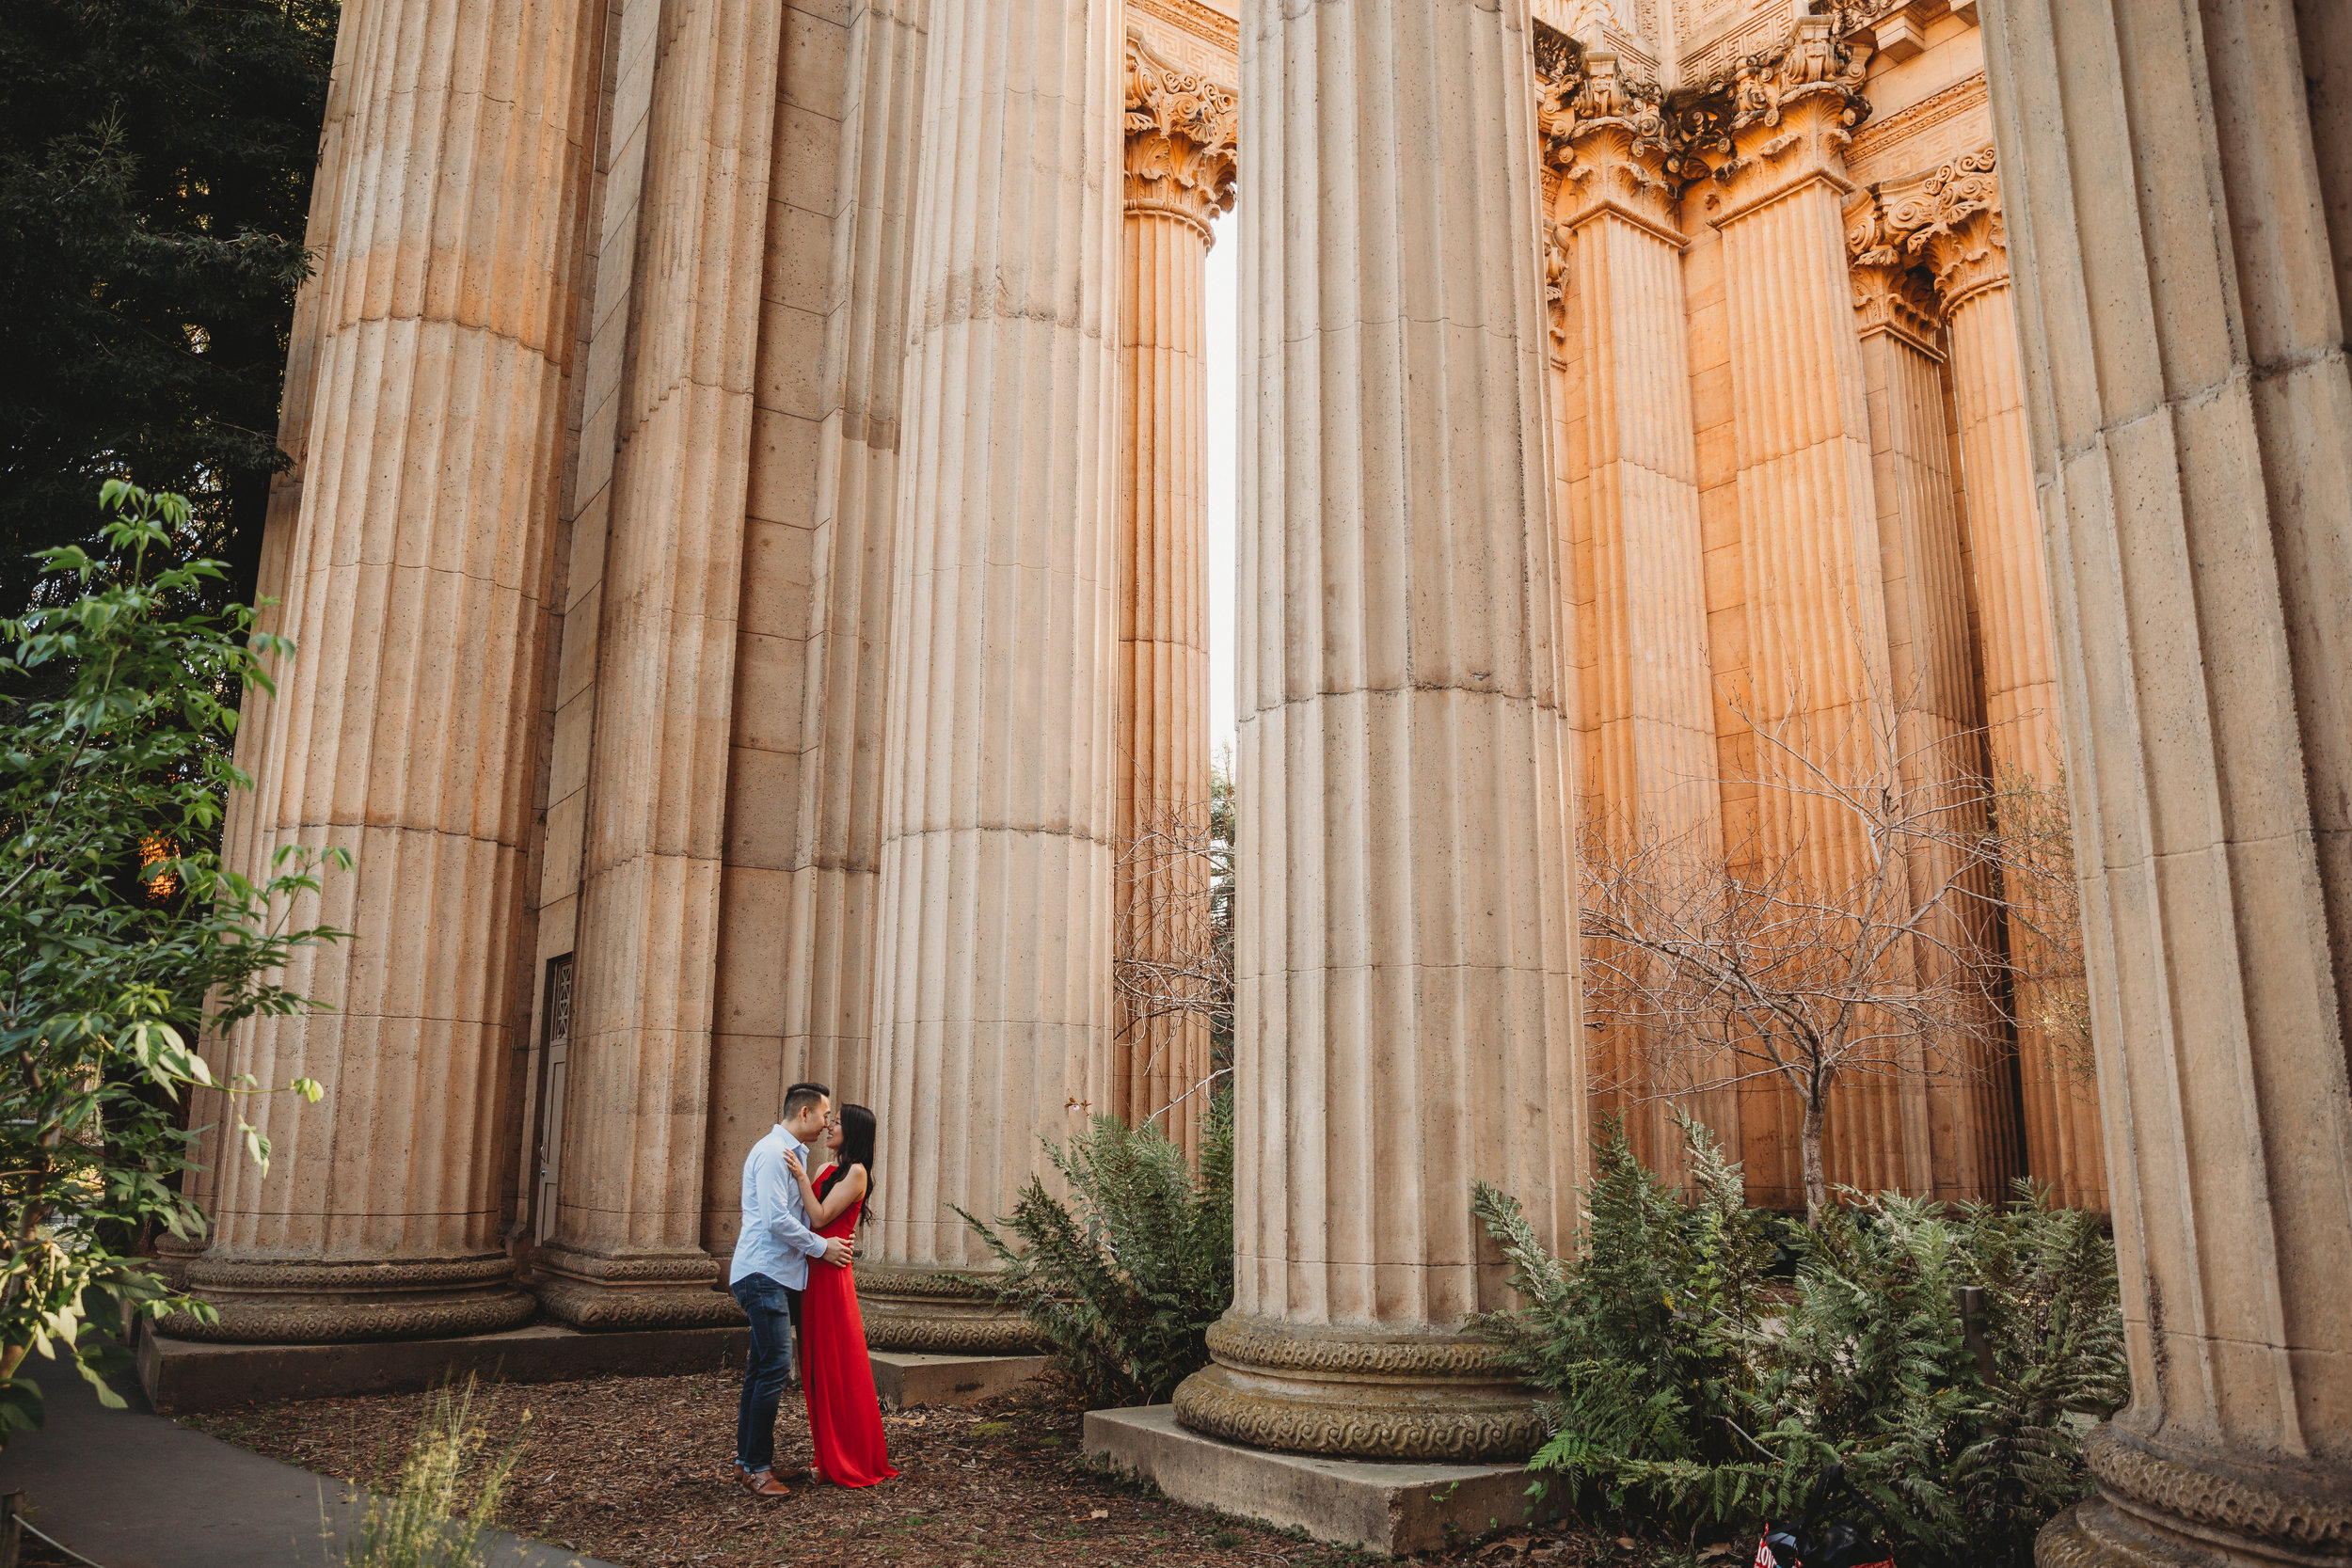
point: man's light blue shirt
(775, 1239)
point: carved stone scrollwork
(1787, 112)
(1358, 1392)
(1890, 293)
(933, 1312)
(1605, 136)
(312, 1303)
(657, 1290)
(2305, 1520)
(1183, 134)
(1951, 220)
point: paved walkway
(128, 1489)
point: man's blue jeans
(774, 1313)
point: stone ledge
(907, 1381)
(1381, 1506)
(188, 1374)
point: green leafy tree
(1123, 1278)
(156, 169)
(122, 939)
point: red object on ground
(844, 1417)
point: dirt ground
(638, 1472)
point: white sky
(1223, 310)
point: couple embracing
(791, 1276)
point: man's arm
(781, 1197)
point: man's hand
(837, 1252)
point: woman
(844, 1418)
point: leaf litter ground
(638, 1472)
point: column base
(1359, 1393)
(1387, 1508)
(291, 1303)
(2163, 1510)
(633, 1290)
(925, 1311)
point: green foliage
(156, 169)
(109, 969)
(1124, 1277)
(427, 1522)
(1678, 1381)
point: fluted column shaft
(687, 206)
(413, 576)
(2063, 1148)
(1179, 175)
(1957, 1129)
(1816, 600)
(992, 1009)
(2170, 173)
(1409, 1012)
(1649, 712)
(828, 957)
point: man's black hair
(802, 1095)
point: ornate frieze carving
(1182, 139)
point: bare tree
(1853, 942)
(1172, 961)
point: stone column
(413, 565)
(1180, 175)
(1959, 1128)
(687, 205)
(1958, 230)
(1808, 527)
(2170, 174)
(1648, 700)
(827, 969)
(992, 1006)
(1408, 1013)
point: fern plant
(1677, 1385)
(1124, 1278)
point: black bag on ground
(1816, 1542)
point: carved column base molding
(1358, 1393)
(929, 1312)
(2156, 1508)
(655, 1289)
(312, 1303)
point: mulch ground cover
(638, 1472)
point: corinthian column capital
(1951, 220)
(1783, 115)
(1181, 136)
(1606, 139)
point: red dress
(844, 1417)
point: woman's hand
(792, 1162)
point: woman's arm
(845, 1191)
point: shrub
(1676, 1383)
(121, 937)
(1124, 1277)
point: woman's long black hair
(857, 1148)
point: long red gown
(844, 1417)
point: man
(771, 1253)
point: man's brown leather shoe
(762, 1483)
